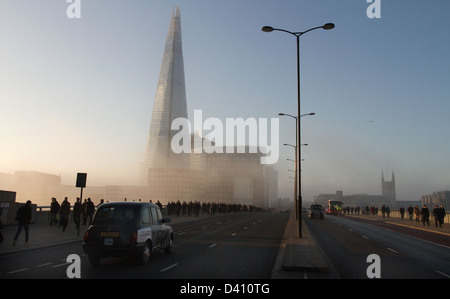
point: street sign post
(81, 183)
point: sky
(76, 94)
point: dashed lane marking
(16, 271)
(169, 267)
(394, 251)
(443, 274)
(60, 265)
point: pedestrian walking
(425, 213)
(410, 212)
(65, 212)
(23, 217)
(84, 211)
(417, 214)
(77, 213)
(90, 210)
(402, 212)
(438, 214)
(54, 209)
(383, 211)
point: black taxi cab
(127, 229)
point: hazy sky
(76, 95)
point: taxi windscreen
(115, 215)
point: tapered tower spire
(170, 103)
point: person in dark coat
(90, 210)
(54, 209)
(439, 214)
(65, 212)
(425, 213)
(410, 212)
(77, 213)
(23, 217)
(402, 212)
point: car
(134, 229)
(316, 211)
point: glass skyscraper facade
(170, 103)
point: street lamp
(295, 147)
(327, 26)
(295, 172)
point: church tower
(388, 187)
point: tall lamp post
(295, 147)
(295, 178)
(327, 26)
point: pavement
(298, 255)
(406, 222)
(42, 235)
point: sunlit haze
(76, 95)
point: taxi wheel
(145, 253)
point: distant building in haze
(437, 198)
(388, 187)
(388, 196)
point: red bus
(334, 207)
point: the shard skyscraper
(170, 103)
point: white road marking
(16, 271)
(170, 267)
(60, 265)
(443, 274)
(394, 251)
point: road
(234, 246)
(404, 253)
(245, 246)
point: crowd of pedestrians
(420, 215)
(207, 208)
(60, 213)
(423, 215)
